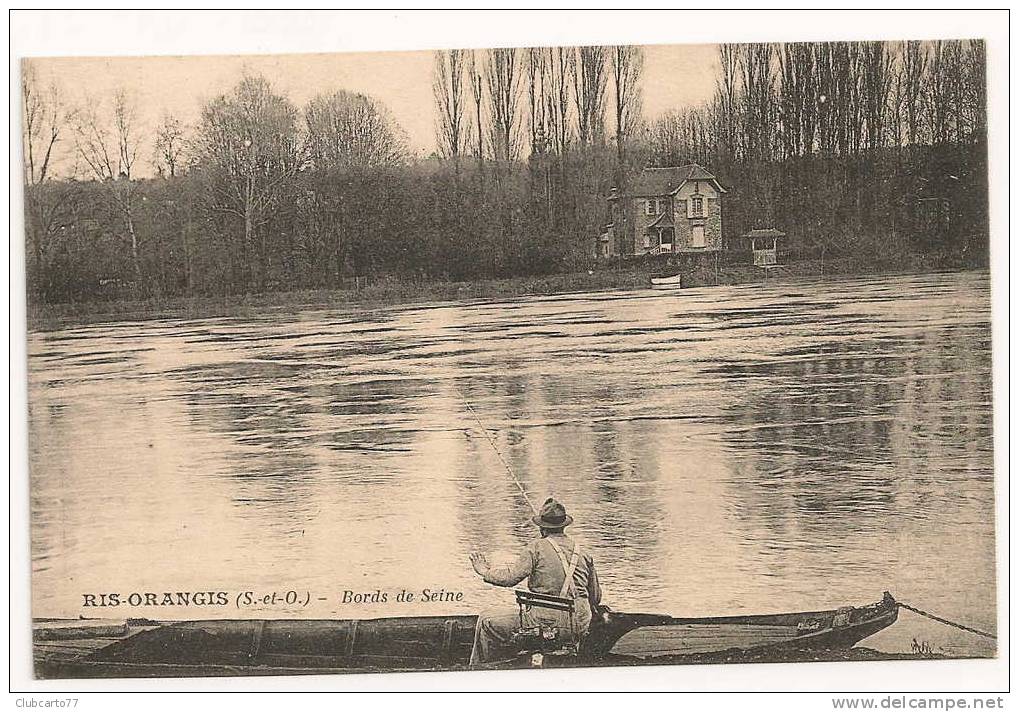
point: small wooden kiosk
(764, 245)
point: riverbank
(392, 291)
(381, 293)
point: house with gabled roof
(665, 211)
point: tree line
(845, 145)
(778, 101)
(261, 194)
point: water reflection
(723, 450)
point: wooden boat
(674, 281)
(143, 648)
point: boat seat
(545, 638)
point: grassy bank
(840, 267)
(387, 292)
(384, 292)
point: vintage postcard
(517, 357)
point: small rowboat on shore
(291, 647)
(674, 281)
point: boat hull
(670, 282)
(296, 647)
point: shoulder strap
(558, 552)
(568, 567)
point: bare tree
(477, 96)
(797, 98)
(950, 57)
(352, 130)
(727, 97)
(839, 100)
(912, 70)
(503, 77)
(168, 151)
(590, 81)
(537, 78)
(851, 94)
(938, 89)
(124, 119)
(758, 84)
(43, 120)
(627, 65)
(108, 144)
(876, 78)
(450, 102)
(560, 63)
(249, 149)
(664, 137)
(897, 100)
(975, 78)
(826, 115)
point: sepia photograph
(509, 358)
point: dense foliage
(873, 148)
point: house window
(652, 207)
(697, 237)
(697, 206)
(647, 242)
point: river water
(726, 450)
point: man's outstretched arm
(505, 575)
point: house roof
(665, 181)
(663, 220)
(770, 232)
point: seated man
(552, 564)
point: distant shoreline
(393, 291)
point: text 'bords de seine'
(246, 599)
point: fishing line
(498, 452)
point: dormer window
(696, 206)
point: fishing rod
(498, 452)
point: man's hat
(552, 515)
